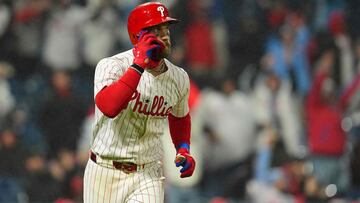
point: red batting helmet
(147, 15)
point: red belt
(126, 167)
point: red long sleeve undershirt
(115, 97)
(180, 129)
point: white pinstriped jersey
(135, 134)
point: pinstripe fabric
(109, 185)
(135, 134)
(131, 133)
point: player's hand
(184, 159)
(147, 50)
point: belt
(126, 167)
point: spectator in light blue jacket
(288, 55)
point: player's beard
(165, 53)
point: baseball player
(135, 92)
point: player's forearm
(180, 129)
(114, 98)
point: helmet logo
(161, 10)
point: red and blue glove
(147, 50)
(184, 159)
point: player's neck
(161, 68)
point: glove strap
(138, 68)
(183, 145)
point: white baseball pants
(107, 184)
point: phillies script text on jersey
(158, 106)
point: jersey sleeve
(181, 108)
(107, 72)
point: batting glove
(146, 51)
(184, 159)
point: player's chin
(166, 52)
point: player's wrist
(137, 68)
(183, 148)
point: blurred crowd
(275, 97)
